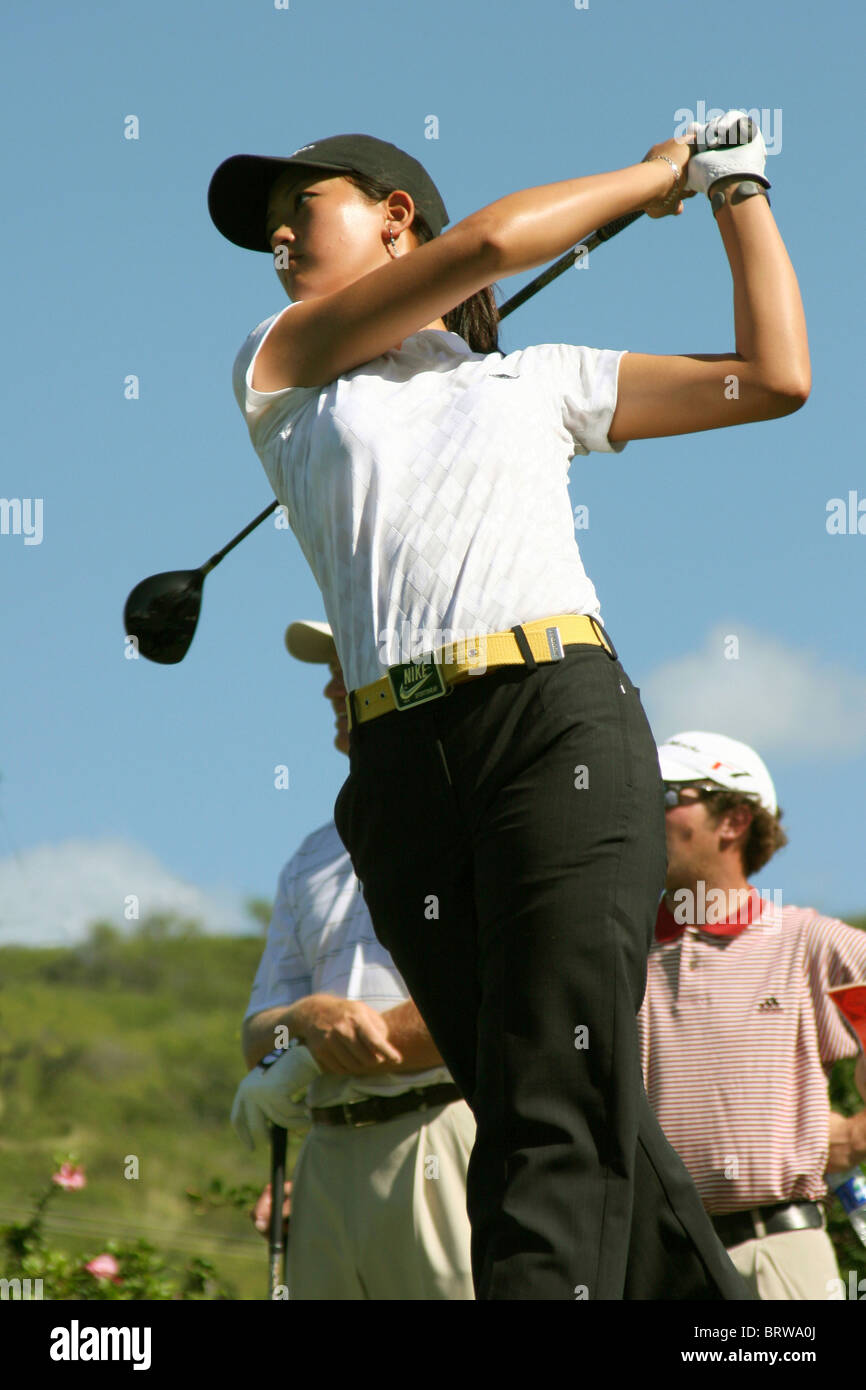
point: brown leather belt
(378, 1109)
(736, 1226)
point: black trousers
(509, 839)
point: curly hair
(476, 320)
(765, 835)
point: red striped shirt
(737, 1040)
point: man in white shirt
(379, 1187)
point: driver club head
(162, 614)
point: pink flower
(70, 1178)
(104, 1267)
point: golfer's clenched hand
(679, 150)
(344, 1035)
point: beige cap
(311, 641)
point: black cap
(239, 190)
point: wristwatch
(279, 1052)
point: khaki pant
(792, 1264)
(379, 1212)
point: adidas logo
(769, 1005)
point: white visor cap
(697, 756)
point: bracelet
(747, 188)
(675, 167)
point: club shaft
(276, 1245)
(221, 554)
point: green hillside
(131, 1046)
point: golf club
(276, 1241)
(162, 611)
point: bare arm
(258, 1033)
(342, 1035)
(407, 1031)
(345, 1036)
(323, 337)
(848, 1135)
(847, 1141)
(767, 376)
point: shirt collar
(443, 337)
(751, 910)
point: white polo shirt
(428, 488)
(321, 941)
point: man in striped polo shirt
(738, 1035)
(378, 1193)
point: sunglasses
(687, 794)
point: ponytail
(476, 320)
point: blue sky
(145, 776)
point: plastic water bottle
(850, 1188)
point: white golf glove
(716, 159)
(273, 1092)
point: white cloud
(50, 894)
(779, 699)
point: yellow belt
(416, 682)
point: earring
(391, 235)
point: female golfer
(503, 811)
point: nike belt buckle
(415, 682)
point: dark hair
(476, 320)
(765, 835)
